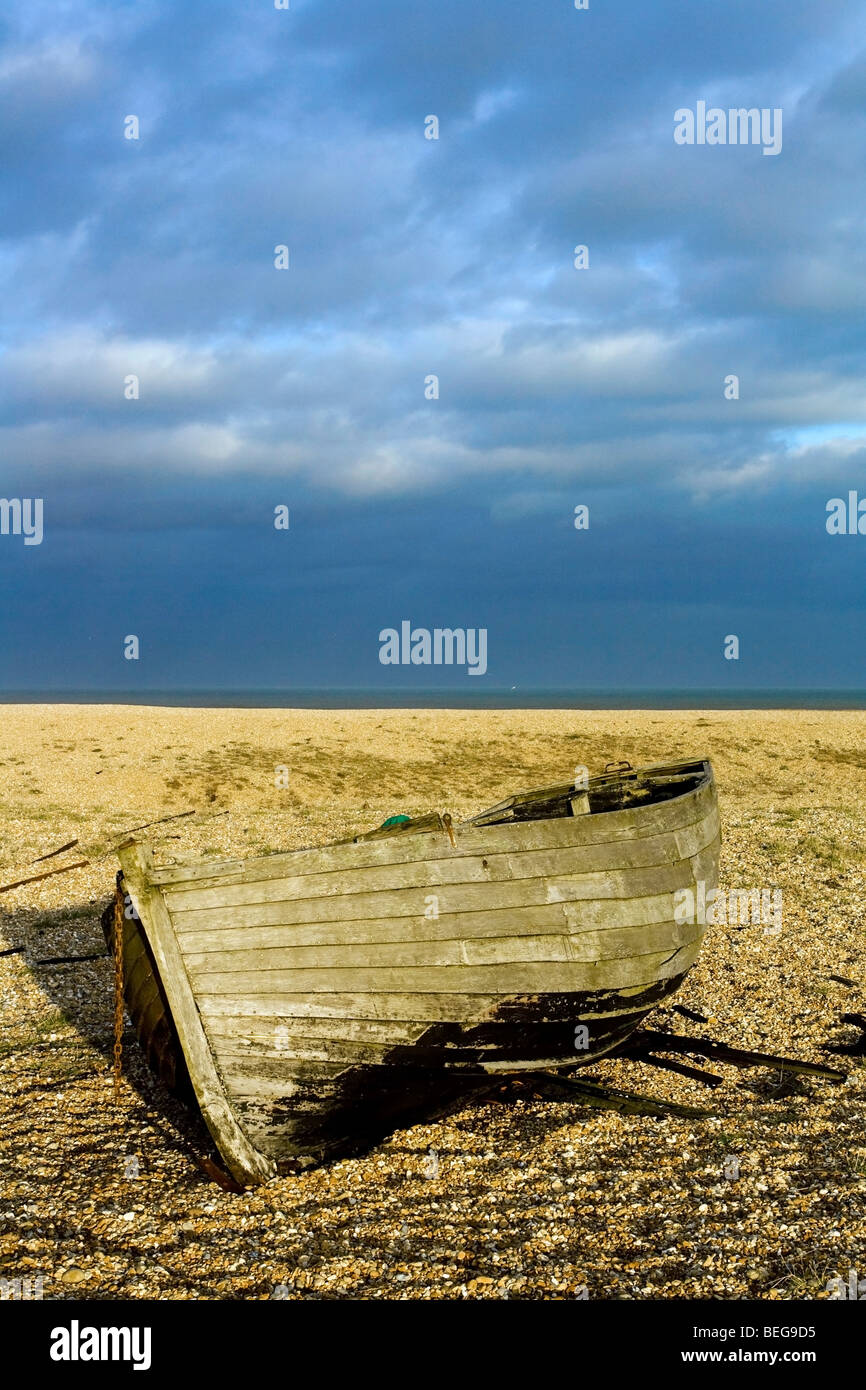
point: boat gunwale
(176, 877)
(297, 892)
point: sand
(518, 1198)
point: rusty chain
(118, 988)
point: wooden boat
(318, 998)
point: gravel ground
(516, 1197)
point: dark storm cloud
(409, 257)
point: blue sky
(410, 257)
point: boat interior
(619, 788)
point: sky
(698, 384)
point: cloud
(411, 258)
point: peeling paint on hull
(324, 1118)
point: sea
(516, 697)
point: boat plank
(294, 1049)
(705, 864)
(298, 1050)
(278, 1079)
(610, 944)
(468, 897)
(244, 927)
(263, 1029)
(517, 978)
(411, 1008)
(416, 1046)
(426, 1008)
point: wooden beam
(62, 850)
(247, 1165)
(648, 1039)
(79, 864)
(626, 1102)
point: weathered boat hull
(323, 996)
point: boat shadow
(63, 950)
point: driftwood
(79, 864)
(607, 1098)
(691, 1014)
(68, 960)
(644, 1045)
(62, 850)
(641, 1045)
(178, 816)
(706, 1078)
